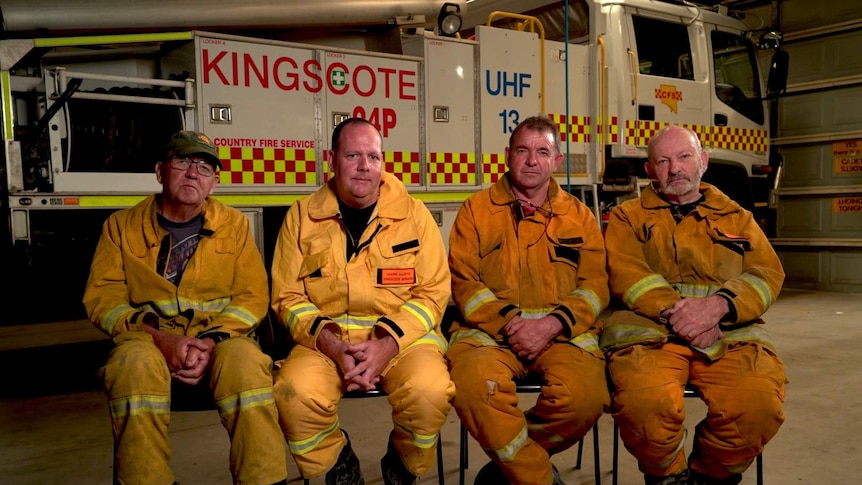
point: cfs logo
(669, 96)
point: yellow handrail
(635, 73)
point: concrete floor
(59, 432)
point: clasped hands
(696, 320)
(528, 338)
(361, 363)
(188, 357)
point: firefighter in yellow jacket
(696, 273)
(529, 278)
(179, 284)
(359, 278)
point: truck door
(258, 104)
(740, 133)
(510, 89)
(385, 90)
(667, 59)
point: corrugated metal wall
(819, 132)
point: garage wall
(819, 135)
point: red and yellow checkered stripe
(748, 140)
(404, 165)
(613, 129)
(579, 129)
(451, 168)
(639, 132)
(493, 165)
(741, 139)
(267, 166)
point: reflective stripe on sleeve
(421, 312)
(640, 288)
(691, 290)
(477, 300)
(296, 312)
(760, 286)
(591, 298)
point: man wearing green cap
(179, 284)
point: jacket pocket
(566, 250)
(313, 265)
(737, 244)
(728, 252)
(395, 264)
(225, 245)
(564, 253)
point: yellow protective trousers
(743, 391)
(309, 386)
(574, 395)
(137, 382)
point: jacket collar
(145, 216)
(502, 198)
(714, 201)
(210, 211)
(323, 204)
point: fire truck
(90, 97)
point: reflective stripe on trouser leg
(138, 384)
(744, 392)
(308, 388)
(420, 393)
(242, 387)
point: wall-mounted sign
(847, 157)
(844, 205)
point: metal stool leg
(463, 461)
(440, 470)
(616, 453)
(596, 461)
(759, 466)
(580, 454)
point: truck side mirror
(777, 81)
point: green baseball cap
(186, 143)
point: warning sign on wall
(847, 157)
(844, 205)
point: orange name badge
(396, 276)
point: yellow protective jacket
(223, 291)
(550, 263)
(398, 282)
(718, 248)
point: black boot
(676, 479)
(394, 471)
(346, 470)
(491, 474)
(698, 478)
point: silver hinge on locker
(220, 114)
(338, 117)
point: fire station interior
(54, 421)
